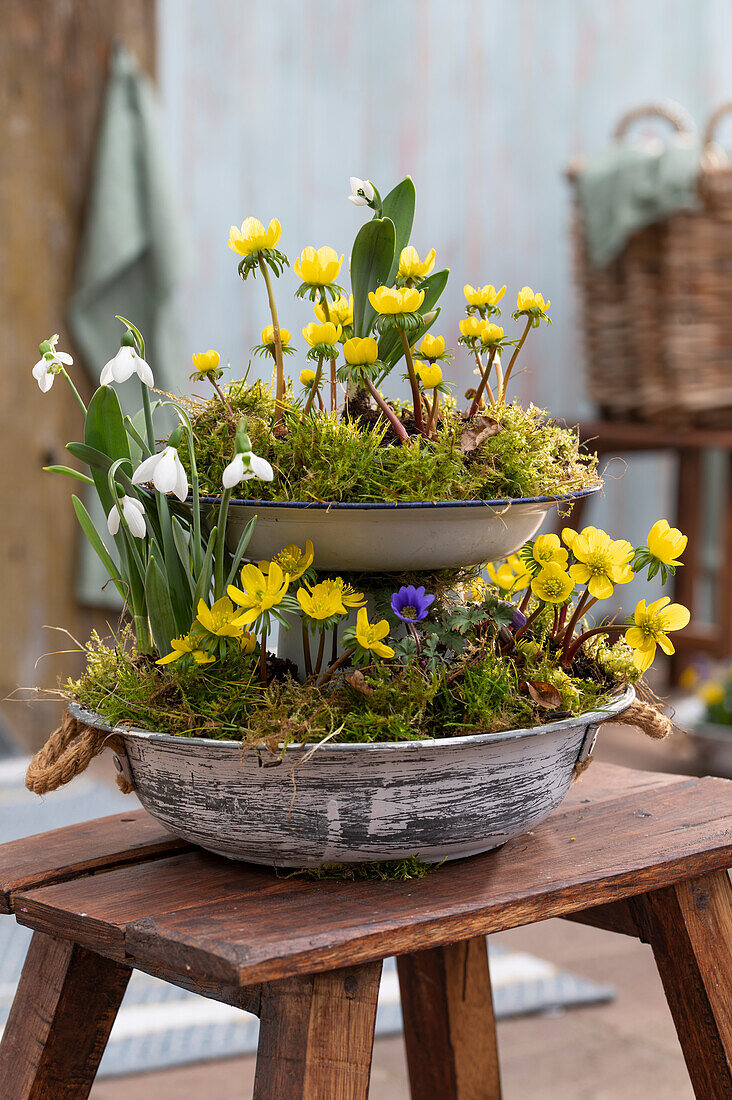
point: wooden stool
(616, 437)
(637, 853)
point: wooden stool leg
(316, 1035)
(449, 1025)
(689, 927)
(60, 1021)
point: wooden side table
(641, 854)
(612, 437)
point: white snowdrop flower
(361, 192)
(133, 513)
(166, 472)
(50, 363)
(124, 364)
(244, 467)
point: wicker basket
(657, 319)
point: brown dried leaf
(544, 694)
(357, 680)
(482, 428)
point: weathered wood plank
(236, 924)
(689, 927)
(449, 1023)
(316, 1036)
(79, 850)
(60, 1020)
(615, 916)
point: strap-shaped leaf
(68, 472)
(203, 584)
(371, 261)
(105, 432)
(180, 538)
(159, 605)
(399, 206)
(240, 549)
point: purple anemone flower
(410, 604)
(518, 619)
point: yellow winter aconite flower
(483, 295)
(206, 362)
(410, 265)
(569, 534)
(268, 335)
(432, 347)
(307, 376)
(361, 351)
(320, 602)
(348, 595)
(527, 300)
(221, 619)
(602, 562)
(666, 543)
(471, 327)
(185, 647)
(651, 626)
(712, 693)
(261, 591)
(548, 548)
(322, 334)
(511, 575)
(552, 584)
(253, 237)
(430, 374)
(490, 333)
(478, 589)
(291, 559)
(318, 268)
(341, 311)
(391, 299)
(371, 635)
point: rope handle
(68, 752)
(644, 716)
(714, 120)
(671, 112)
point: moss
(321, 459)
(393, 870)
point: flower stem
(333, 380)
(527, 624)
(336, 665)
(416, 396)
(306, 652)
(584, 602)
(514, 357)
(321, 650)
(280, 388)
(388, 412)
(221, 394)
(572, 652)
(432, 422)
(263, 658)
(74, 390)
(483, 382)
(149, 430)
(315, 387)
(220, 544)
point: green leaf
(399, 206)
(105, 432)
(136, 331)
(178, 586)
(203, 584)
(371, 261)
(433, 287)
(159, 606)
(390, 345)
(180, 538)
(239, 552)
(87, 526)
(68, 472)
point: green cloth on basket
(130, 260)
(632, 185)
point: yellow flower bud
(307, 377)
(268, 335)
(341, 311)
(483, 295)
(490, 333)
(527, 299)
(322, 334)
(252, 237)
(206, 362)
(410, 265)
(432, 346)
(390, 300)
(318, 268)
(430, 374)
(471, 327)
(360, 352)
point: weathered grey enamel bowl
(348, 803)
(395, 538)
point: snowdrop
(126, 363)
(166, 472)
(245, 466)
(131, 510)
(362, 192)
(50, 363)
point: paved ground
(618, 1051)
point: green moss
(322, 459)
(393, 870)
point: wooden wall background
(270, 106)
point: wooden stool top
(123, 887)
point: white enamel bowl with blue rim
(440, 798)
(395, 538)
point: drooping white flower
(50, 363)
(166, 472)
(245, 466)
(133, 513)
(361, 192)
(124, 364)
